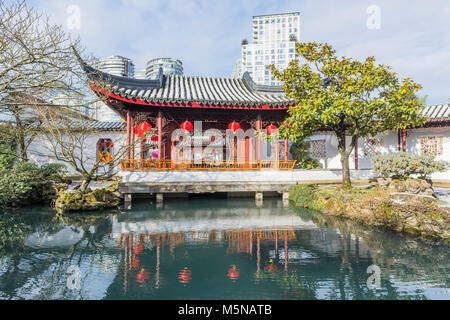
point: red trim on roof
(191, 104)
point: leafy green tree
(347, 97)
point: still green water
(212, 249)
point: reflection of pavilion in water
(239, 241)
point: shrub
(26, 183)
(54, 171)
(403, 165)
(8, 146)
(7, 157)
(301, 196)
(300, 152)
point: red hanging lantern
(271, 129)
(138, 132)
(155, 137)
(233, 272)
(185, 276)
(234, 126)
(186, 126)
(145, 127)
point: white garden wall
(39, 152)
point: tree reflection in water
(229, 252)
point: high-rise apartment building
(118, 66)
(273, 42)
(170, 67)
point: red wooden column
(286, 149)
(132, 122)
(277, 151)
(159, 121)
(128, 134)
(258, 138)
(250, 151)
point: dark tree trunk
(20, 137)
(345, 154)
(22, 148)
(346, 182)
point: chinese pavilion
(171, 102)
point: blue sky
(414, 37)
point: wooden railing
(145, 164)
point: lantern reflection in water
(138, 248)
(142, 276)
(185, 276)
(271, 267)
(135, 262)
(233, 273)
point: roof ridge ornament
(260, 88)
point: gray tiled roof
(107, 125)
(438, 112)
(99, 125)
(202, 90)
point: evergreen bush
(402, 165)
(301, 196)
(27, 183)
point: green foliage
(374, 207)
(301, 196)
(342, 95)
(300, 152)
(402, 165)
(8, 147)
(26, 183)
(364, 97)
(7, 156)
(54, 171)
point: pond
(204, 248)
